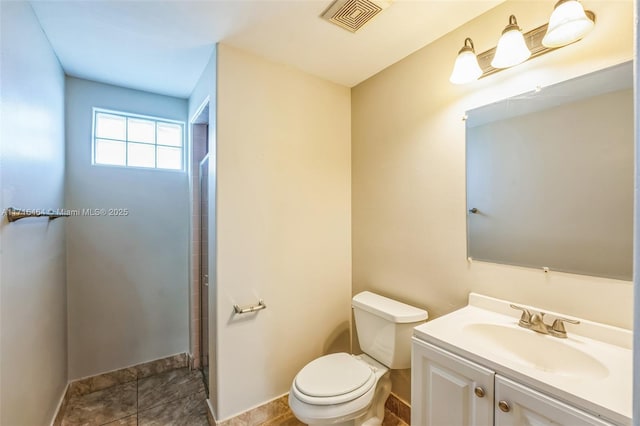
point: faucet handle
(558, 330)
(525, 319)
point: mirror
(550, 177)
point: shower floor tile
(127, 421)
(186, 411)
(175, 397)
(168, 386)
(102, 407)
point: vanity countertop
(592, 368)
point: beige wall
(408, 166)
(284, 225)
(636, 258)
(33, 298)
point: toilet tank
(384, 328)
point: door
(447, 390)
(518, 405)
(204, 269)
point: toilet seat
(333, 379)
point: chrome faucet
(536, 323)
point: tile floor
(173, 398)
(390, 419)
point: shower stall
(199, 283)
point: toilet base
(375, 414)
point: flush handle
(479, 392)
(504, 406)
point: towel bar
(17, 214)
(251, 308)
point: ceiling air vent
(354, 14)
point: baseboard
(210, 417)
(269, 413)
(62, 405)
(194, 361)
(400, 408)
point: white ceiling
(163, 46)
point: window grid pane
(110, 126)
(141, 131)
(110, 152)
(128, 140)
(169, 158)
(169, 134)
(141, 155)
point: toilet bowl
(339, 389)
(342, 389)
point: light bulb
(512, 49)
(568, 23)
(466, 69)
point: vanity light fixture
(565, 27)
(568, 23)
(466, 68)
(512, 49)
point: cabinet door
(517, 405)
(447, 390)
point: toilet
(342, 389)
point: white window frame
(128, 115)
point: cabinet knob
(504, 406)
(479, 392)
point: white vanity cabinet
(518, 405)
(449, 390)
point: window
(129, 140)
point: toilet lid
(333, 375)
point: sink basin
(536, 350)
(592, 368)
